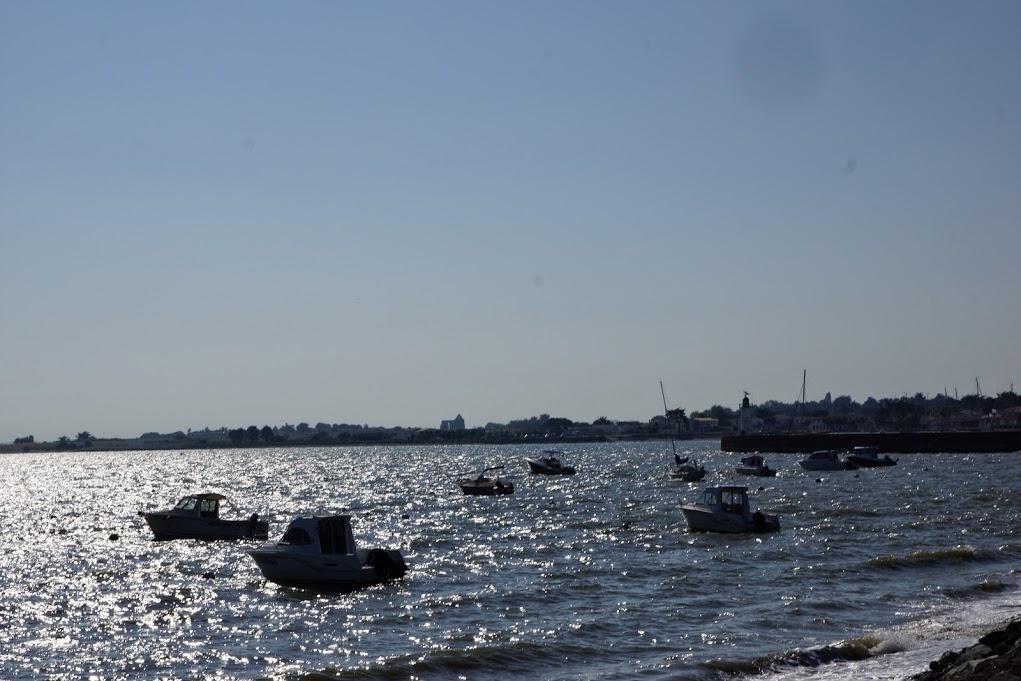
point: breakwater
(887, 443)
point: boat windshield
(187, 504)
(710, 497)
(296, 536)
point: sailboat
(685, 468)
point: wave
(486, 661)
(852, 650)
(983, 588)
(939, 557)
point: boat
(318, 553)
(686, 469)
(726, 509)
(483, 485)
(754, 465)
(549, 464)
(197, 516)
(868, 457)
(826, 460)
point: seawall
(903, 443)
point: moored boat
(826, 460)
(197, 516)
(726, 509)
(485, 486)
(686, 469)
(754, 465)
(549, 464)
(319, 553)
(868, 457)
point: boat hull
(701, 519)
(687, 473)
(867, 462)
(826, 460)
(819, 466)
(165, 525)
(488, 488)
(541, 467)
(764, 472)
(329, 573)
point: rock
(996, 657)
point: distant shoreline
(950, 442)
(125, 445)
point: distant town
(841, 414)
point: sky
(390, 213)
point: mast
(666, 413)
(801, 400)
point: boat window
(210, 508)
(733, 501)
(334, 536)
(187, 504)
(710, 497)
(296, 536)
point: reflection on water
(592, 575)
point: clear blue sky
(237, 213)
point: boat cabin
(329, 534)
(726, 508)
(726, 499)
(753, 461)
(824, 455)
(200, 505)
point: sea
(874, 573)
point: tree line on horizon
(903, 413)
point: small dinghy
(826, 460)
(549, 464)
(483, 485)
(868, 457)
(754, 465)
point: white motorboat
(549, 464)
(868, 457)
(197, 516)
(319, 554)
(686, 469)
(754, 465)
(485, 486)
(726, 509)
(826, 460)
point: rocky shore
(996, 657)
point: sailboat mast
(804, 377)
(666, 413)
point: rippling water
(587, 577)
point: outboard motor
(385, 565)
